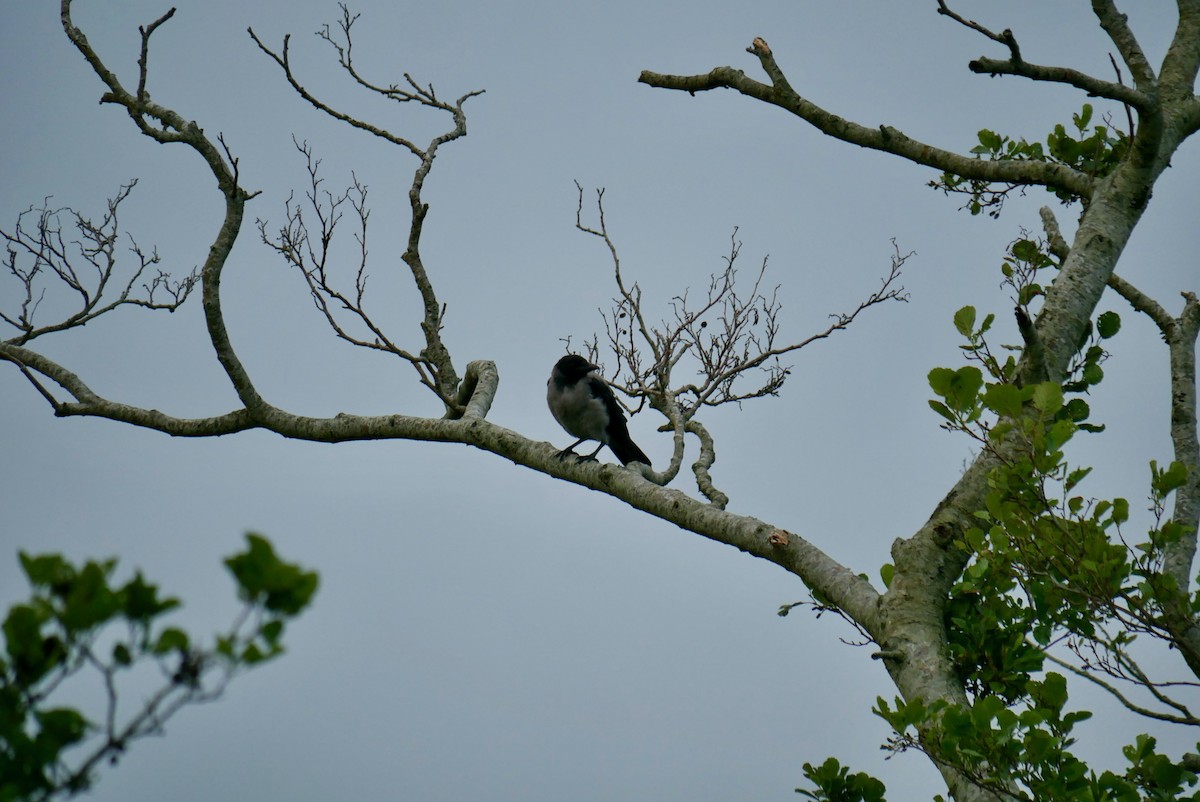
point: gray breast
(577, 410)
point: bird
(585, 406)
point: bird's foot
(565, 453)
(586, 458)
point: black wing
(619, 442)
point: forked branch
(433, 362)
(729, 337)
(308, 247)
(41, 257)
(779, 92)
(1016, 65)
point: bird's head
(573, 367)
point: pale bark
(907, 621)
(910, 627)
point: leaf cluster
(834, 783)
(1093, 150)
(1024, 753)
(1047, 566)
(78, 619)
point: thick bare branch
(1115, 24)
(1095, 87)
(1058, 244)
(1016, 65)
(88, 403)
(172, 127)
(884, 138)
(1177, 76)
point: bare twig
(1005, 37)
(87, 266)
(433, 362)
(310, 254)
(728, 335)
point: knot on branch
(759, 47)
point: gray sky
(481, 630)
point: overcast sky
(482, 631)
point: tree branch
(434, 363)
(175, 129)
(50, 258)
(884, 138)
(1016, 65)
(1115, 24)
(1180, 334)
(1065, 75)
(1005, 37)
(727, 335)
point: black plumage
(585, 406)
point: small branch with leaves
(779, 92)
(77, 621)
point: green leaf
(834, 783)
(90, 601)
(1052, 691)
(271, 632)
(252, 654)
(1083, 118)
(25, 645)
(1005, 399)
(1120, 510)
(964, 320)
(47, 570)
(1108, 324)
(1048, 398)
(141, 602)
(990, 140)
(940, 379)
(263, 578)
(960, 388)
(1028, 292)
(1074, 478)
(886, 572)
(1077, 409)
(61, 727)
(1026, 250)
(171, 639)
(942, 409)
(1167, 480)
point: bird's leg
(571, 450)
(590, 457)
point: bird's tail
(624, 449)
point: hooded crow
(585, 406)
